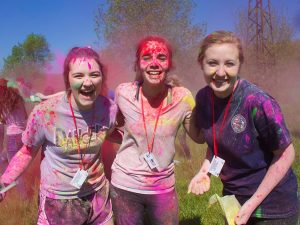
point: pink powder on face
(89, 65)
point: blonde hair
(220, 37)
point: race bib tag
(216, 166)
(152, 163)
(79, 178)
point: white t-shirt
(130, 170)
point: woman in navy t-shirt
(243, 126)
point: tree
(121, 24)
(279, 42)
(281, 49)
(27, 58)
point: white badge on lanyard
(79, 178)
(216, 166)
(151, 161)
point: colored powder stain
(268, 108)
(89, 65)
(258, 212)
(278, 118)
(279, 131)
(253, 114)
(247, 138)
(77, 85)
(189, 100)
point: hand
(40, 95)
(244, 213)
(199, 184)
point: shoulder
(202, 93)
(184, 95)
(126, 87)
(51, 104)
(181, 90)
(253, 94)
(106, 102)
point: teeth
(220, 81)
(154, 72)
(87, 91)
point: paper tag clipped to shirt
(79, 178)
(216, 166)
(151, 161)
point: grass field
(193, 209)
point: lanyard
(150, 146)
(223, 120)
(76, 135)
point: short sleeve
(199, 108)
(269, 123)
(34, 134)
(113, 115)
(189, 102)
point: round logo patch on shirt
(238, 123)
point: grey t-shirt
(51, 126)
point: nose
(154, 64)
(221, 71)
(87, 81)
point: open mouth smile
(87, 93)
(153, 73)
(220, 81)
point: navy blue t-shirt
(253, 129)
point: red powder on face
(154, 47)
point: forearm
(1, 137)
(206, 163)
(45, 97)
(116, 136)
(18, 165)
(277, 170)
(192, 130)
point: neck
(228, 92)
(76, 106)
(152, 92)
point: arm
(116, 136)
(192, 130)
(18, 165)
(201, 181)
(1, 137)
(281, 162)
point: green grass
(193, 209)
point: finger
(192, 184)
(190, 188)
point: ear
(201, 65)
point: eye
(230, 64)
(95, 74)
(162, 57)
(146, 57)
(212, 63)
(77, 75)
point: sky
(67, 23)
